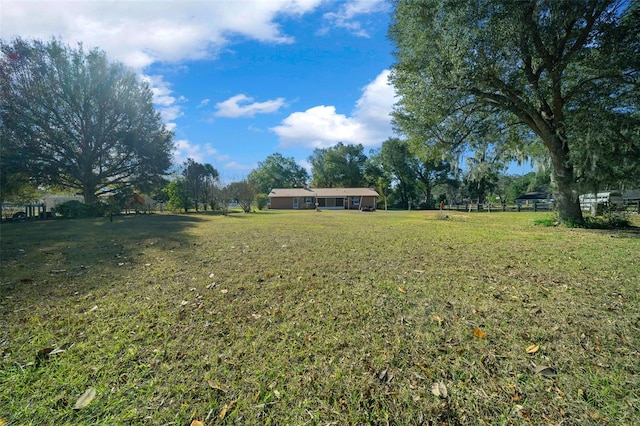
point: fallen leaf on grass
(197, 423)
(85, 399)
(214, 385)
(532, 349)
(424, 368)
(225, 409)
(440, 389)
(436, 318)
(479, 333)
(546, 371)
(44, 353)
(402, 289)
(596, 416)
(385, 375)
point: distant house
(323, 198)
(140, 202)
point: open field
(291, 318)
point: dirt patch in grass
(318, 318)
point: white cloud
(346, 16)
(316, 127)
(306, 165)
(203, 103)
(166, 104)
(184, 149)
(232, 107)
(234, 165)
(139, 33)
(321, 126)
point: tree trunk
(89, 194)
(568, 203)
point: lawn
(336, 317)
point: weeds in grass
(299, 318)
(547, 221)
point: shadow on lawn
(37, 256)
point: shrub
(72, 209)
(75, 209)
(609, 221)
(97, 209)
(260, 201)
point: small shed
(323, 198)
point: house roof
(322, 192)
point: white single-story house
(323, 198)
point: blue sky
(238, 80)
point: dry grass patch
(319, 318)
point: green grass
(319, 318)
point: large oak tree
(564, 72)
(340, 166)
(72, 118)
(277, 171)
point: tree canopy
(398, 161)
(516, 72)
(72, 118)
(200, 180)
(277, 171)
(340, 166)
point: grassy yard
(292, 318)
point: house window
(355, 201)
(308, 201)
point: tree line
(402, 178)
(479, 84)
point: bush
(610, 221)
(97, 209)
(74, 209)
(260, 201)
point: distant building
(323, 198)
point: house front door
(295, 202)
